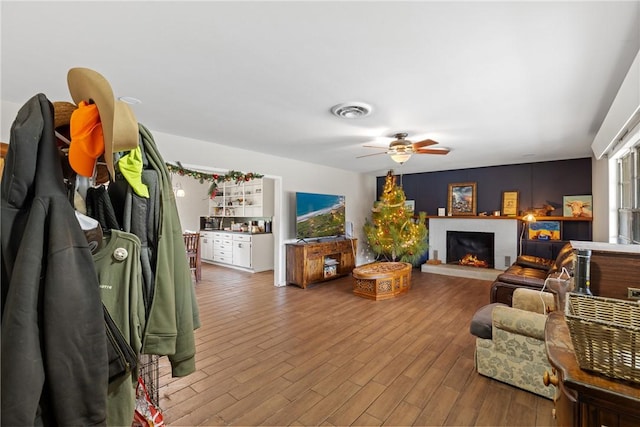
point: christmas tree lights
(393, 233)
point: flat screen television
(319, 215)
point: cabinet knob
(549, 379)
(553, 413)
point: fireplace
(471, 248)
(505, 244)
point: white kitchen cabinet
(223, 247)
(242, 250)
(261, 252)
(253, 198)
(206, 245)
(246, 251)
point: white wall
(601, 206)
(195, 202)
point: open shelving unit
(571, 228)
(252, 198)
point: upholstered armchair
(515, 351)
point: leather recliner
(530, 272)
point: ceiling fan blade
(425, 143)
(432, 151)
(376, 146)
(369, 155)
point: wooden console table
(585, 398)
(319, 261)
(382, 280)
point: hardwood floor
(287, 356)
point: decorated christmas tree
(393, 233)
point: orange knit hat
(87, 139)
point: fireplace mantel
(505, 230)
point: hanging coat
(172, 310)
(54, 367)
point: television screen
(319, 215)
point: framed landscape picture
(462, 198)
(578, 206)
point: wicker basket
(606, 335)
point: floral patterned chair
(515, 353)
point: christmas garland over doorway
(214, 178)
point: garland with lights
(393, 233)
(214, 178)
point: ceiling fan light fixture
(400, 150)
(400, 157)
(351, 110)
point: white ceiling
(495, 82)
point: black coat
(54, 359)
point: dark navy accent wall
(538, 183)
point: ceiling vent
(351, 110)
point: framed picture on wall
(578, 206)
(410, 205)
(462, 198)
(510, 203)
(544, 230)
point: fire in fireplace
(473, 261)
(470, 248)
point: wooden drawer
(321, 250)
(241, 238)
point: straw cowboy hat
(119, 124)
(62, 111)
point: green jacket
(118, 267)
(173, 314)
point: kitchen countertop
(233, 232)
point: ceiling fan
(401, 149)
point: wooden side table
(585, 398)
(382, 280)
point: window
(628, 197)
